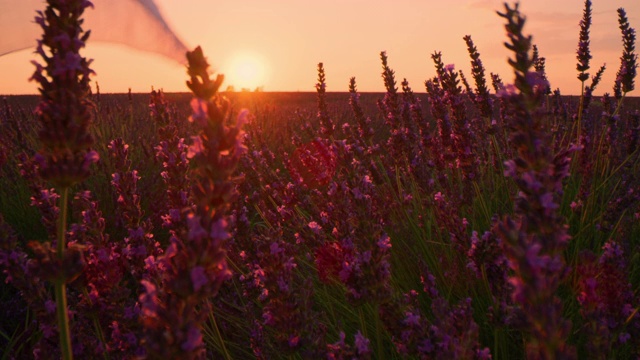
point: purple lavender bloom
(340, 350)
(584, 54)
(607, 302)
(65, 109)
(535, 240)
(193, 339)
(629, 60)
(315, 227)
(327, 127)
(362, 345)
(199, 112)
(198, 278)
(195, 262)
(481, 96)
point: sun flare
(246, 71)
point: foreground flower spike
(535, 240)
(520, 45)
(200, 84)
(175, 306)
(65, 112)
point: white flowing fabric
(135, 23)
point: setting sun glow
(246, 71)
(278, 44)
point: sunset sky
(278, 43)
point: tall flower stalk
(583, 56)
(174, 306)
(535, 239)
(65, 112)
(625, 78)
(327, 127)
(481, 97)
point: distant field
(425, 200)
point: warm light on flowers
(458, 223)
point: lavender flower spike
(481, 97)
(629, 59)
(534, 241)
(65, 110)
(584, 55)
(65, 113)
(174, 306)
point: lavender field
(468, 217)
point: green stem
(580, 110)
(619, 105)
(363, 324)
(96, 323)
(59, 285)
(575, 159)
(212, 318)
(380, 348)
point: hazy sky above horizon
(278, 43)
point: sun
(246, 70)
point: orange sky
(287, 38)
